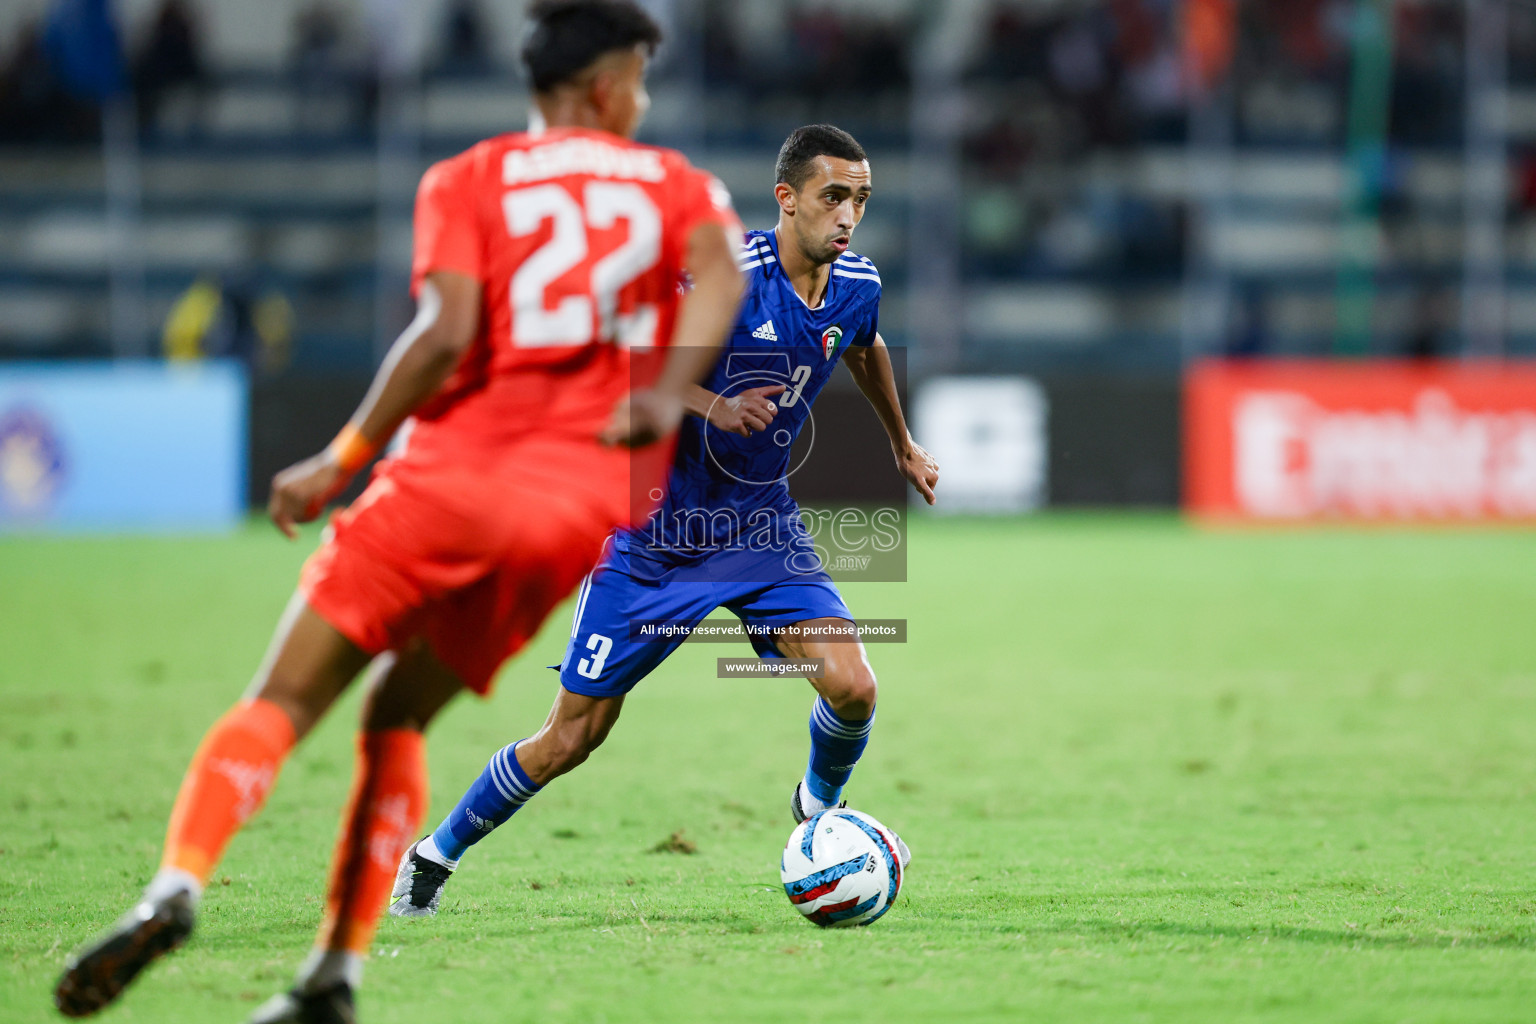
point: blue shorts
(606, 657)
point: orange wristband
(351, 450)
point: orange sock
(227, 782)
(389, 800)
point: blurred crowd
(166, 60)
(1049, 80)
(1054, 87)
(1053, 93)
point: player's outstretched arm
(703, 318)
(871, 369)
(425, 354)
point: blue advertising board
(122, 446)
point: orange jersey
(578, 239)
(502, 496)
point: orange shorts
(469, 554)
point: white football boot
(418, 885)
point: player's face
(829, 206)
(619, 92)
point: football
(841, 868)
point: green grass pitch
(1148, 773)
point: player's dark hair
(566, 36)
(798, 154)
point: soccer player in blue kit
(727, 532)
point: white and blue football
(841, 868)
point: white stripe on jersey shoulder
(755, 252)
(755, 257)
(860, 268)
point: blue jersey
(727, 495)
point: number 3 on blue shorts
(600, 646)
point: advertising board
(1399, 441)
(122, 446)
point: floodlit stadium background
(1076, 203)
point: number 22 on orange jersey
(570, 322)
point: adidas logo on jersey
(766, 332)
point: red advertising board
(1319, 440)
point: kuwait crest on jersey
(830, 339)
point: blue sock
(491, 799)
(836, 744)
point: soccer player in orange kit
(552, 338)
